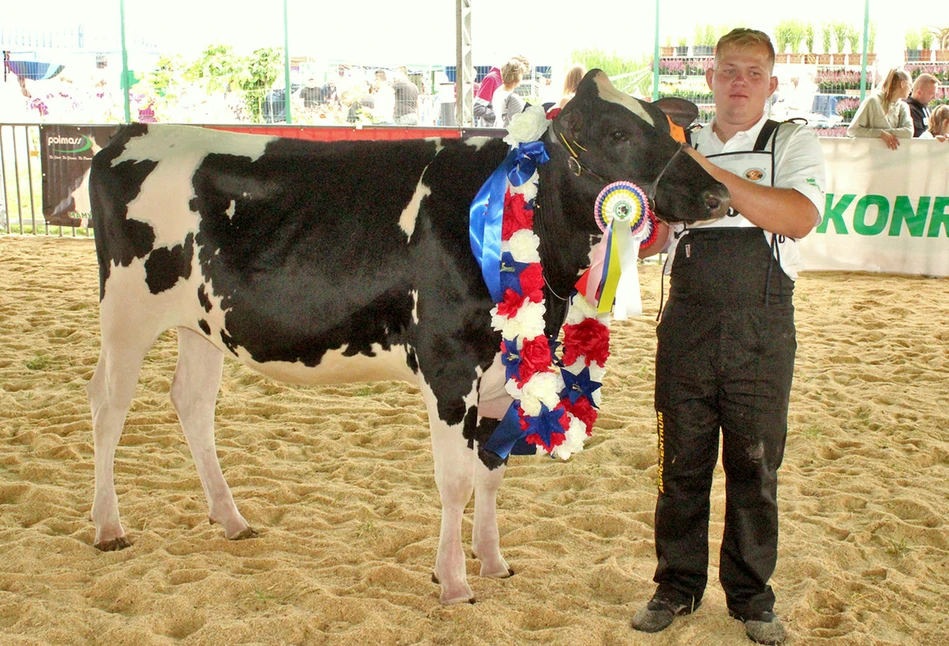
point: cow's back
(282, 250)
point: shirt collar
(743, 140)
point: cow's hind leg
(110, 394)
(194, 393)
(485, 540)
(454, 476)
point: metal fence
(21, 176)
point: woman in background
(884, 114)
(570, 82)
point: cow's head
(603, 135)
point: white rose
(580, 309)
(523, 245)
(543, 388)
(527, 323)
(527, 126)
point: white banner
(886, 210)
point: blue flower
(511, 273)
(511, 358)
(545, 425)
(577, 386)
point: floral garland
(555, 397)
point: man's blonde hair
(743, 38)
(923, 80)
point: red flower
(517, 215)
(532, 281)
(583, 411)
(589, 338)
(535, 357)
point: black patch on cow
(203, 298)
(205, 327)
(118, 240)
(304, 249)
(164, 266)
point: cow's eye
(619, 135)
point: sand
(339, 482)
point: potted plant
(912, 45)
(825, 34)
(853, 38)
(782, 37)
(683, 47)
(809, 40)
(942, 40)
(700, 44)
(841, 29)
(926, 41)
(668, 49)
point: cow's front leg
(485, 539)
(454, 476)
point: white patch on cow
(231, 209)
(478, 142)
(409, 215)
(166, 193)
(609, 93)
(336, 368)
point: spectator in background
(406, 99)
(884, 114)
(505, 100)
(938, 124)
(570, 82)
(384, 97)
(924, 91)
(482, 109)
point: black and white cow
(320, 262)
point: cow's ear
(680, 111)
(570, 118)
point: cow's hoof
(447, 600)
(250, 532)
(114, 545)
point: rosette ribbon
(487, 210)
(612, 282)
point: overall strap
(767, 130)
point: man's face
(925, 93)
(741, 82)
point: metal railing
(21, 178)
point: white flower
(527, 323)
(527, 126)
(523, 245)
(573, 440)
(542, 388)
(580, 309)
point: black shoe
(659, 613)
(762, 628)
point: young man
(924, 91)
(726, 346)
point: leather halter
(573, 163)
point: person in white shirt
(726, 345)
(885, 114)
(505, 100)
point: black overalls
(725, 358)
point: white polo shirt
(798, 164)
